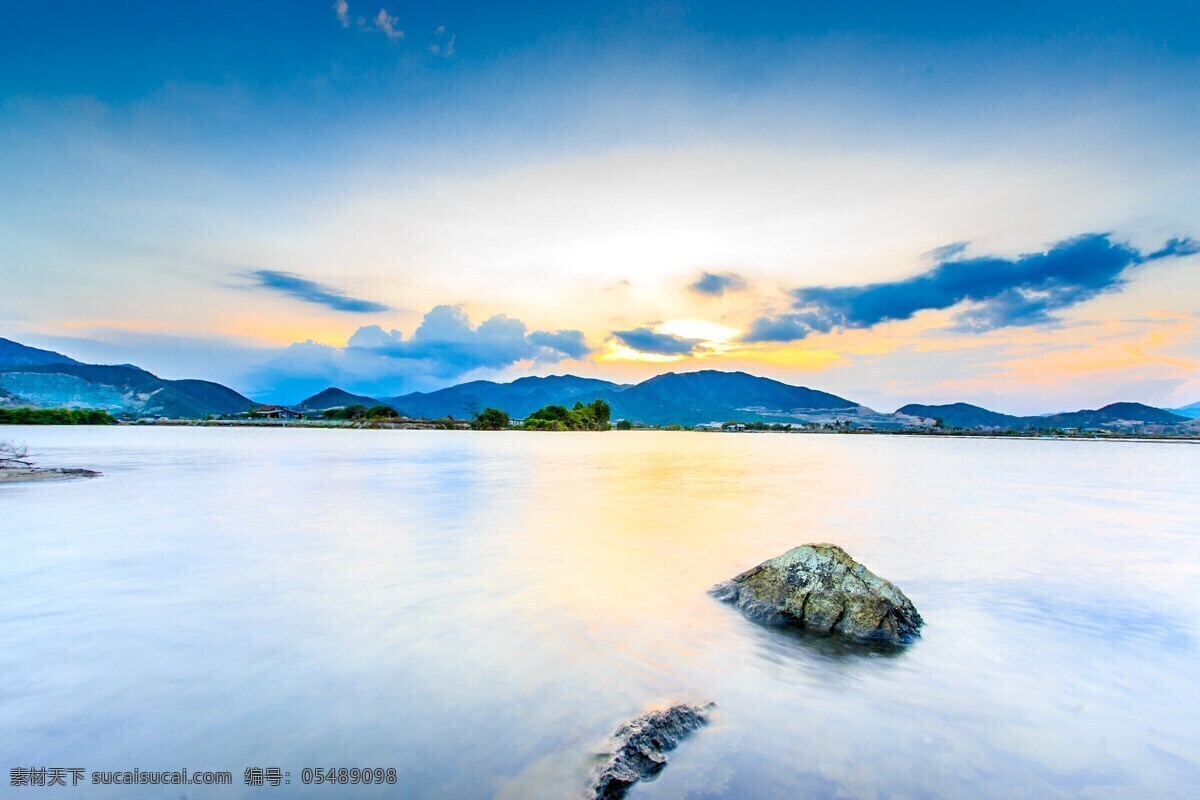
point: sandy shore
(29, 475)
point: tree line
(593, 416)
(55, 416)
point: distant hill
(42, 378)
(29, 376)
(335, 398)
(964, 415)
(1192, 411)
(520, 398)
(19, 355)
(1114, 415)
(690, 398)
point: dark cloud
(293, 285)
(1186, 246)
(718, 283)
(1026, 290)
(651, 341)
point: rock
(641, 747)
(819, 588)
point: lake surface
(480, 610)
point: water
(480, 610)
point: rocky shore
(32, 474)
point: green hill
(964, 415)
(335, 398)
(118, 390)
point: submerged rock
(819, 588)
(641, 747)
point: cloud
(446, 50)
(648, 340)
(717, 284)
(445, 347)
(1000, 292)
(570, 343)
(342, 9)
(450, 344)
(374, 336)
(1185, 246)
(945, 252)
(293, 285)
(387, 23)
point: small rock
(641, 747)
(821, 589)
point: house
(515, 422)
(275, 412)
(735, 427)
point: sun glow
(708, 332)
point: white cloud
(445, 348)
(387, 23)
(342, 9)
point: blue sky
(233, 190)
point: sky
(894, 202)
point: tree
(14, 456)
(491, 419)
(54, 416)
(381, 412)
(602, 411)
(348, 413)
(624, 425)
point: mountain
(1192, 411)
(519, 398)
(32, 377)
(335, 398)
(16, 354)
(964, 415)
(1118, 415)
(690, 398)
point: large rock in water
(819, 588)
(641, 747)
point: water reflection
(481, 611)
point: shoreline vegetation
(55, 416)
(593, 416)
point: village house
(275, 412)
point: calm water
(480, 610)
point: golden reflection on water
(482, 609)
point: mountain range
(1192, 411)
(34, 377)
(1114, 415)
(520, 398)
